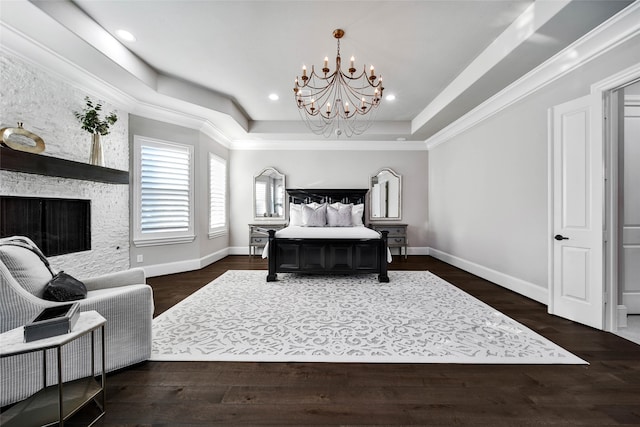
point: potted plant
(91, 121)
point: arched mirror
(385, 196)
(268, 195)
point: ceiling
(220, 60)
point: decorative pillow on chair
(314, 216)
(64, 287)
(26, 267)
(339, 216)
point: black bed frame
(327, 256)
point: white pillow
(356, 214)
(295, 214)
(357, 211)
(339, 216)
(314, 216)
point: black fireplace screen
(57, 226)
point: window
(261, 198)
(163, 187)
(217, 196)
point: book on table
(52, 321)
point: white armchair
(122, 298)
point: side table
(396, 237)
(56, 403)
(258, 236)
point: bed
(336, 248)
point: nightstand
(397, 237)
(258, 236)
(56, 403)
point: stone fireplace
(45, 103)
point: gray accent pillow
(339, 216)
(357, 212)
(314, 216)
(26, 267)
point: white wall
(329, 169)
(45, 103)
(202, 251)
(488, 185)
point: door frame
(605, 134)
(611, 114)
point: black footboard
(328, 256)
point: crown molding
(605, 37)
(212, 131)
(520, 30)
(332, 145)
(30, 51)
(20, 46)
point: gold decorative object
(21, 139)
(338, 102)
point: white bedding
(298, 232)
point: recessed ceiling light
(401, 139)
(126, 35)
(274, 97)
(390, 97)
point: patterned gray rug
(416, 318)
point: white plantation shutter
(261, 197)
(217, 196)
(164, 192)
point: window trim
(159, 238)
(223, 230)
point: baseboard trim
(632, 301)
(416, 250)
(240, 250)
(514, 284)
(622, 316)
(186, 265)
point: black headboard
(308, 195)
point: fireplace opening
(57, 226)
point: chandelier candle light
(337, 102)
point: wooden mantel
(21, 161)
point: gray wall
(488, 186)
(159, 259)
(329, 169)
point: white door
(630, 221)
(577, 285)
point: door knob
(560, 237)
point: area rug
(415, 318)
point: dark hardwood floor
(606, 392)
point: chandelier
(337, 102)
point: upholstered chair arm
(133, 276)
(18, 306)
(128, 311)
